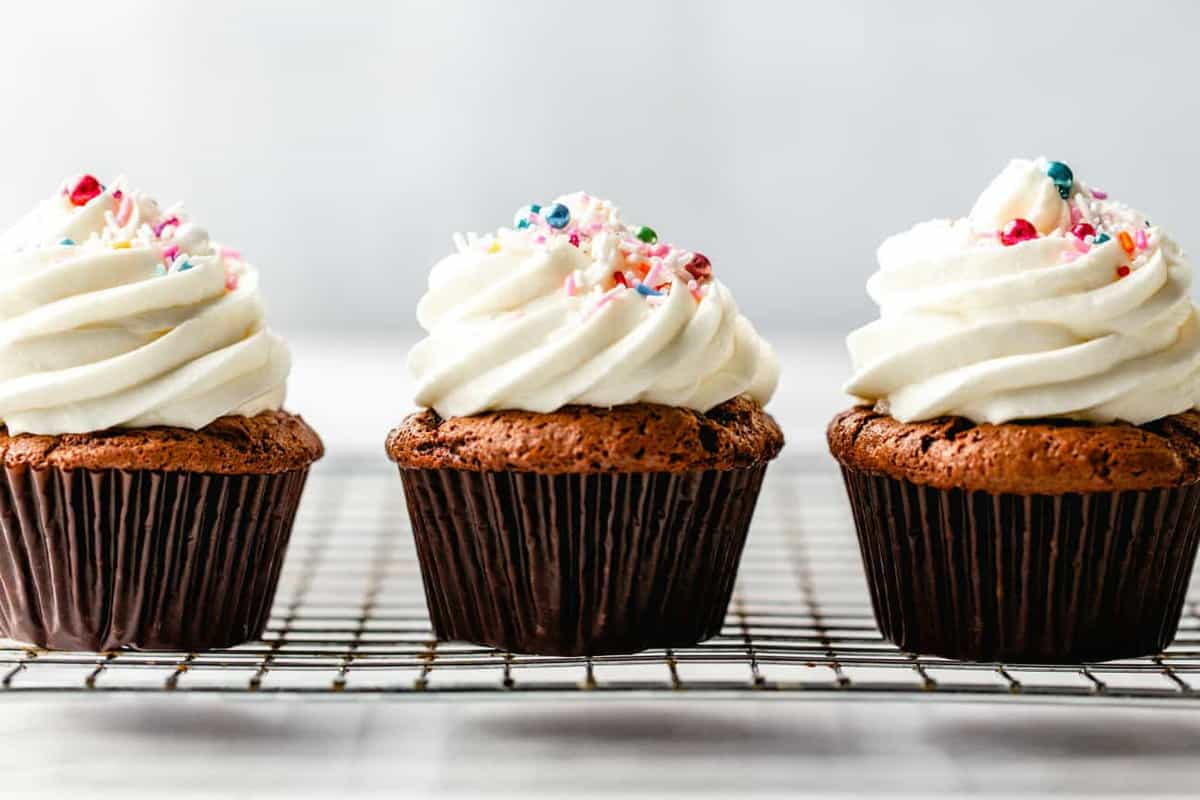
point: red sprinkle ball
(84, 190)
(1019, 230)
(1122, 270)
(699, 267)
(619, 277)
(1083, 230)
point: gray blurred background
(340, 144)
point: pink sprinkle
(124, 211)
(1099, 194)
(172, 220)
(539, 239)
(1139, 238)
(231, 281)
(534, 218)
(651, 278)
(660, 250)
(1082, 245)
(117, 194)
(1070, 255)
(569, 285)
(1076, 215)
(170, 252)
(231, 254)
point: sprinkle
(121, 245)
(1099, 194)
(1062, 176)
(494, 247)
(574, 239)
(694, 288)
(66, 242)
(557, 216)
(1017, 231)
(124, 210)
(699, 267)
(647, 235)
(522, 224)
(231, 281)
(621, 280)
(160, 270)
(1082, 230)
(1076, 215)
(646, 291)
(651, 277)
(231, 254)
(1140, 239)
(162, 225)
(569, 285)
(660, 250)
(184, 266)
(1126, 242)
(84, 190)
(1101, 238)
(539, 239)
(170, 252)
(1122, 271)
(1082, 245)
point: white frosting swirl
(1058, 325)
(539, 317)
(114, 313)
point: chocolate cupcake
(1025, 478)
(583, 477)
(150, 479)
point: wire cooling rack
(349, 620)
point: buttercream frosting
(1084, 312)
(572, 306)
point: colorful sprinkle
(184, 266)
(569, 285)
(574, 239)
(124, 210)
(1019, 230)
(1122, 271)
(170, 252)
(231, 281)
(557, 216)
(86, 188)
(1141, 240)
(162, 225)
(66, 242)
(1126, 242)
(1083, 230)
(647, 235)
(1082, 245)
(231, 254)
(647, 291)
(121, 245)
(1062, 176)
(1101, 238)
(699, 267)
(494, 247)
(620, 279)
(1099, 194)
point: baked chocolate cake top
(643, 437)
(271, 442)
(1037, 457)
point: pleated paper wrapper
(1047, 579)
(584, 564)
(101, 560)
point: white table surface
(199, 746)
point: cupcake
(150, 478)
(1024, 471)
(584, 473)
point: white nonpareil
(115, 313)
(1091, 326)
(572, 307)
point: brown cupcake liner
(99, 560)
(1066, 578)
(579, 564)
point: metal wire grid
(350, 620)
